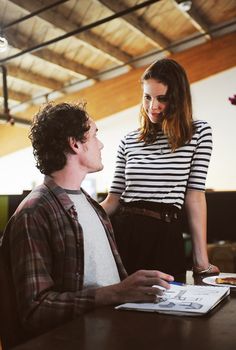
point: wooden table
(109, 329)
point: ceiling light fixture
(3, 44)
(185, 6)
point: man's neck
(68, 178)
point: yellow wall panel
(3, 211)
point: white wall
(210, 102)
(110, 132)
(18, 172)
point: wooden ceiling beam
(61, 61)
(33, 78)
(57, 19)
(21, 42)
(198, 22)
(138, 23)
(209, 58)
(196, 19)
(17, 95)
(124, 91)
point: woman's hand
(111, 203)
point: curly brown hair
(177, 120)
(50, 131)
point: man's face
(90, 156)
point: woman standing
(161, 167)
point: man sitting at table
(62, 252)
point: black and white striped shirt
(155, 173)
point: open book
(183, 300)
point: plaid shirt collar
(59, 193)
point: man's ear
(74, 144)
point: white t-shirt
(99, 264)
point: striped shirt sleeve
(201, 158)
(118, 184)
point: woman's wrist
(199, 270)
(200, 260)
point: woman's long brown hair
(177, 120)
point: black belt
(165, 215)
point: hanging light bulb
(3, 44)
(185, 6)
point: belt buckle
(169, 216)
(166, 215)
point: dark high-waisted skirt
(147, 240)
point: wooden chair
(223, 255)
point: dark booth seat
(11, 331)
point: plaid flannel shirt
(45, 244)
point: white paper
(183, 300)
